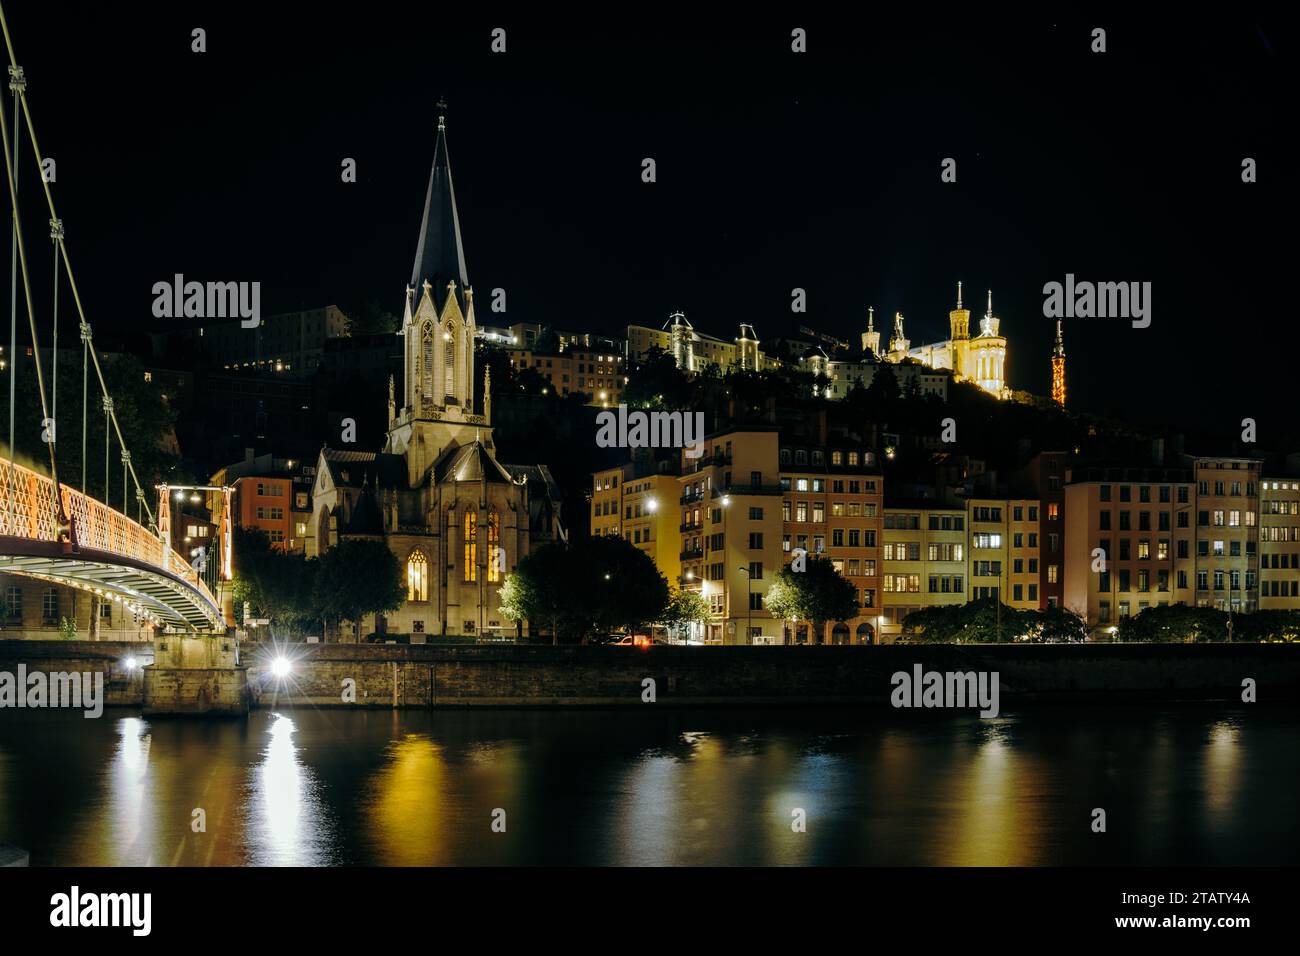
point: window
(50, 605)
(755, 514)
(417, 577)
(14, 603)
(471, 545)
(755, 540)
(496, 556)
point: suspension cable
(89, 348)
(16, 78)
(27, 294)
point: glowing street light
(281, 667)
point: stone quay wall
(390, 675)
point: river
(1179, 785)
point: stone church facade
(457, 519)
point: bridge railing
(28, 509)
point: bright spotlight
(129, 663)
(280, 667)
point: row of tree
(988, 621)
(1179, 623)
(297, 594)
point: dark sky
(775, 171)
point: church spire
(439, 255)
(959, 295)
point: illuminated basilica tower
(981, 360)
(1058, 368)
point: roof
(472, 462)
(439, 255)
(365, 518)
(352, 469)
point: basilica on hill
(981, 360)
(456, 518)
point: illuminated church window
(471, 546)
(417, 577)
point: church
(981, 360)
(456, 518)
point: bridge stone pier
(199, 675)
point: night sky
(775, 171)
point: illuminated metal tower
(1058, 368)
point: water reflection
(1189, 785)
(289, 823)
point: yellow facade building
(924, 560)
(1279, 544)
(643, 511)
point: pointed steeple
(439, 255)
(959, 320)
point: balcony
(692, 553)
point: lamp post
(749, 620)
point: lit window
(471, 545)
(417, 577)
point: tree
(629, 589)
(277, 585)
(515, 598)
(657, 382)
(538, 591)
(684, 609)
(1058, 625)
(817, 594)
(356, 577)
(595, 584)
(369, 317)
(1175, 623)
(983, 621)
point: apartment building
(988, 566)
(731, 527)
(1025, 547)
(36, 610)
(1279, 544)
(1128, 540)
(1044, 480)
(1227, 533)
(270, 494)
(923, 556)
(642, 509)
(833, 507)
(600, 375)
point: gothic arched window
(449, 361)
(417, 576)
(426, 360)
(496, 557)
(471, 545)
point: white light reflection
(288, 817)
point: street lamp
(749, 620)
